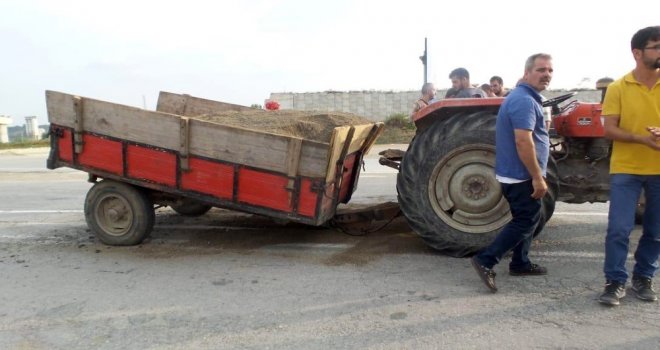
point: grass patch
(398, 129)
(26, 144)
(395, 135)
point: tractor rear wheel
(447, 187)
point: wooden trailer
(169, 157)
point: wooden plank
(78, 125)
(257, 149)
(186, 105)
(128, 123)
(337, 141)
(360, 135)
(292, 161)
(293, 157)
(376, 130)
(184, 143)
(207, 139)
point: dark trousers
(518, 233)
(624, 194)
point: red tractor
(446, 183)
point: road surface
(236, 281)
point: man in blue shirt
(521, 158)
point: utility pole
(424, 59)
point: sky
(126, 51)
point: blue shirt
(521, 110)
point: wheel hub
(114, 215)
(464, 192)
(476, 187)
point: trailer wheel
(118, 213)
(190, 207)
(447, 187)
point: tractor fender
(446, 108)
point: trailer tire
(190, 207)
(119, 214)
(447, 189)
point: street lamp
(424, 59)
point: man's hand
(540, 188)
(653, 140)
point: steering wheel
(557, 100)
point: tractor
(446, 182)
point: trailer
(139, 159)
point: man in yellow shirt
(631, 111)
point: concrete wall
(378, 105)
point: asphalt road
(236, 281)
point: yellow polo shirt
(638, 107)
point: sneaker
(643, 288)
(531, 270)
(487, 275)
(613, 292)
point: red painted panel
(65, 146)
(150, 164)
(580, 120)
(308, 198)
(100, 153)
(347, 177)
(263, 189)
(209, 177)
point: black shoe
(532, 270)
(643, 288)
(487, 275)
(613, 292)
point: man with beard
(521, 158)
(460, 85)
(497, 86)
(631, 111)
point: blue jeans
(625, 190)
(518, 233)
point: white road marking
(566, 254)
(376, 176)
(171, 227)
(39, 211)
(578, 213)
